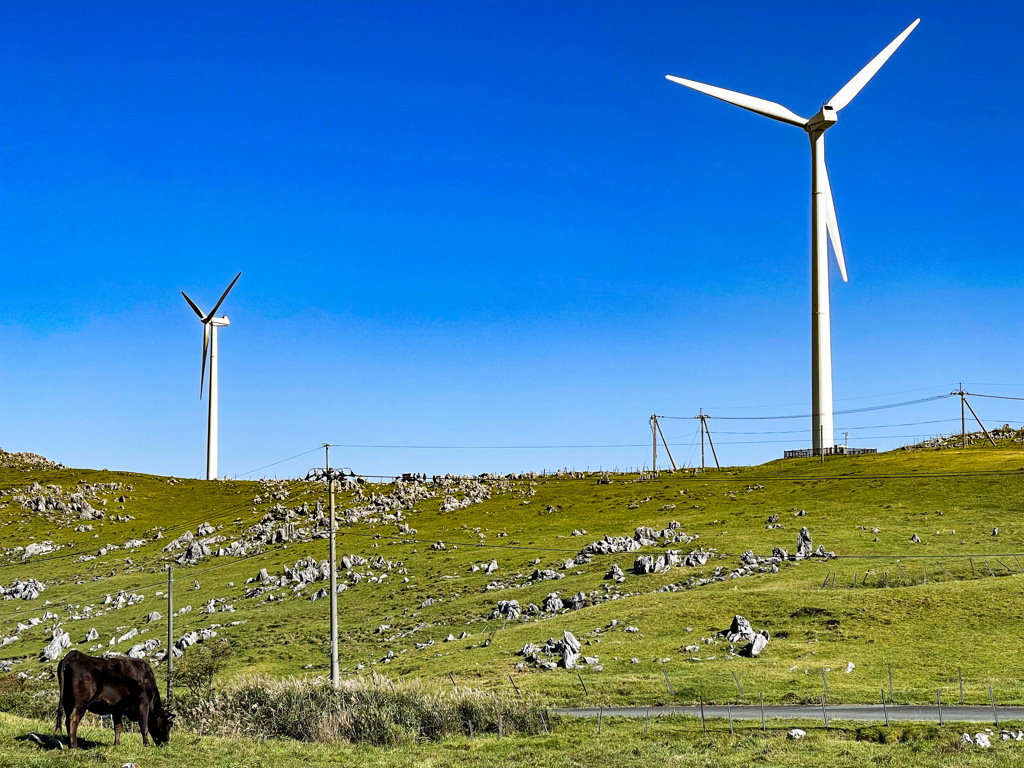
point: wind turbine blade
(206, 344)
(224, 296)
(193, 305)
(832, 225)
(852, 88)
(754, 104)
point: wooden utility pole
(704, 429)
(979, 422)
(701, 417)
(963, 421)
(335, 674)
(654, 443)
(664, 442)
(711, 442)
(170, 636)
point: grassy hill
(926, 610)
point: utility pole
(701, 417)
(963, 421)
(664, 442)
(963, 427)
(654, 444)
(335, 676)
(704, 429)
(846, 439)
(170, 636)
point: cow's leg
(73, 720)
(118, 724)
(144, 723)
(60, 696)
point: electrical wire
(274, 464)
(808, 415)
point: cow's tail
(60, 696)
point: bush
(19, 697)
(197, 669)
(357, 711)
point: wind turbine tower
(210, 326)
(824, 226)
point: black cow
(119, 686)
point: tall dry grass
(359, 711)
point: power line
(274, 464)
(838, 400)
(837, 413)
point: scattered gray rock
(29, 589)
(552, 603)
(615, 573)
(804, 546)
(545, 575)
(506, 609)
(61, 641)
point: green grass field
(622, 743)
(924, 609)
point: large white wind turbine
(823, 221)
(210, 326)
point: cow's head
(160, 726)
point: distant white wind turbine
(823, 221)
(210, 326)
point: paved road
(858, 712)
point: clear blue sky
(494, 224)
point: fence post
(600, 715)
(885, 710)
(995, 714)
(703, 725)
(938, 702)
(824, 714)
(515, 686)
(763, 729)
(667, 681)
(891, 700)
(729, 708)
(583, 684)
(450, 677)
(823, 680)
(737, 681)
(170, 637)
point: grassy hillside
(923, 609)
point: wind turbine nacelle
(220, 321)
(824, 120)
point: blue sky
(494, 224)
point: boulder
(643, 565)
(758, 644)
(570, 641)
(615, 573)
(740, 630)
(804, 546)
(552, 603)
(61, 641)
